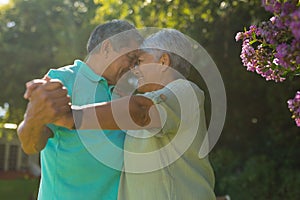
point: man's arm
(33, 136)
(48, 102)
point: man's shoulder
(65, 71)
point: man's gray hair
(119, 32)
(175, 44)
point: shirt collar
(88, 72)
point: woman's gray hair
(175, 44)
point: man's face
(124, 59)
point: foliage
(272, 49)
(19, 189)
(38, 34)
(259, 175)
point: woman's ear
(165, 59)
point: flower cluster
(272, 48)
(294, 106)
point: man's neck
(98, 67)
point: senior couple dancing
(99, 142)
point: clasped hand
(48, 102)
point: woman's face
(149, 72)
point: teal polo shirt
(81, 164)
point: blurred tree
(256, 156)
(37, 35)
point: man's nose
(135, 70)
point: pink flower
(297, 122)
(294, 106)
(239, 36)
(295, 24)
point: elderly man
(69, 171)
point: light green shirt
(164, 164)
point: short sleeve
(176, 103)
(52, 127)
(53, 74)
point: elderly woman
(166, 125)
(163, 163)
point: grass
(19, 189)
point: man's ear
(165, 59)
(106, 48)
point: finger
(60, 102)
(57, 93)
(65, 109)
(46, 78)
(32, 85)
(29, 90)
(35, 81)
(56, 107)
(53, 84)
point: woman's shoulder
(185, 88)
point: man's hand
(31, 85)
(48, 100)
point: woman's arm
(127, 113)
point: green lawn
(18, 189)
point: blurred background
(257, 155)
